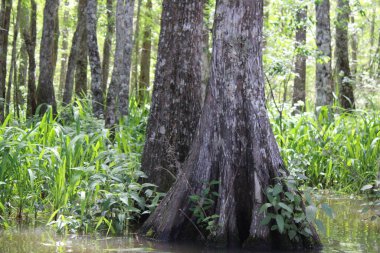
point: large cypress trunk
(118, 92)
(299, 88)
(5, 14)
(176, 99)
(234, 143)
(94, 58)
(323, 80)
(343, 73)
(81, 66)
(45, 90)
(80, 32)
(30, 37)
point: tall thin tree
(65, 46)
(45, 90)
(108, 45)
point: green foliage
(340, 151)
(66, 168)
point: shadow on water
(349, 231)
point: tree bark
(11, 80)
(324, 78)
(81, 67)
(45, 90)
(343, 73)
(136, 44)
(234, 143)
(20, 77)
(146, 50)
(74, 52)
(30, 38)
(176, 99)
(64, 56)
(108, 46)
(206, 48)
(354, 50)
(94, 58)
(5, 17)
(299, 88)
(118, 93)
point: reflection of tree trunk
(64, 55)
(30, 37)
(343, 73)
(176, 98)
(323, 81)
(94, 58)
(118, 92)
(299, 88)
(74, 52)
(5, 17)
(45, 90)
(145, 55)
(108, 45)
(234, 144)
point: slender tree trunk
(299, 88)
(74, 52)
(118, 93)
(378, 57)
(30, 37)
(11, 79)
(176, 99)
(45, 90)
(108, 45)
(64, 56)
(324, 78)
(136, 43)
(22, 75)
(146, 50)
(94, 58)
(81, 66)
(372, 39)
(56, 43)
(343, 73)
(5, 17)
(354, 50)
(234, 144)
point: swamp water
(349, 231)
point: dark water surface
(349, 231)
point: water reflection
(350, 231)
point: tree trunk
(176, 99)
(81, 67)
(354, 50)
(74, 52)
(136, 50)
(206, 49)
(323, 80)
(22, 74)
(45, 90)
(118, 93)
(144, 79)
(108, 46)
(65, 45)
(5, 17)
(372, 39)
(94, 58)
(234, 143)
(30, 37)
(299, 88)
(343, 73)
(13, 69)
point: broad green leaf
(280, 223)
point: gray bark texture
(64, 56)
(234, 143)
(136, 49)
(5, 17)
(299, 88)
(94, 58)
(45, 90)
(144, 81)
(354, 50)
(176, 98)
(324, 79)
(81, 67)
(342, 66)
(206, 49)
(108, 45)
(118, 92)
(74, 52)
(30, 38)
